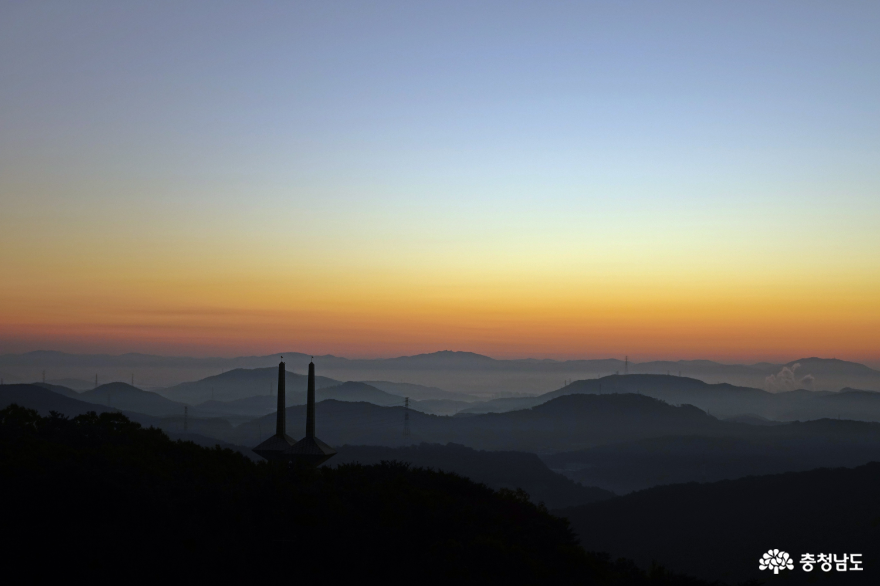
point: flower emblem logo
(775, 560)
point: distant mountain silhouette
(566, 423)
(464, 372)
(420, 392)
(241, 383)
(718, 531)
(355, 391)
(61, 390)
(497, 470)
(833, 366)
(722, 399)
(242, 380)
(124, 397)
(43, 400)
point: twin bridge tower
(282, 447)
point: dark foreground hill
(511, 470)
(720, 530)
(136, 505)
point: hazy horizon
(559, 358)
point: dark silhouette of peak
(125, 397)
(356, 391)
(858, 391)
(832, 366)
(240, 383)
(44, 400)
(418, 392)
(457, 354)
(61, 390)
(443, 359)
(723, 400)
(577, 405)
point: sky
(662, 180)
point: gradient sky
(546, 179)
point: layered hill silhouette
(241, 383)
(568, 422)
(722, 400)
(125, 397)
(60, 389)
(44, 401)
(421, 392)
(351, 391)
(719, 530)
(497, 470)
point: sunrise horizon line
(631, 358)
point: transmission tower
(132, 379)
(96, 380)
(185, 419)
(406, 417)
(626, 365)
(44, 377)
